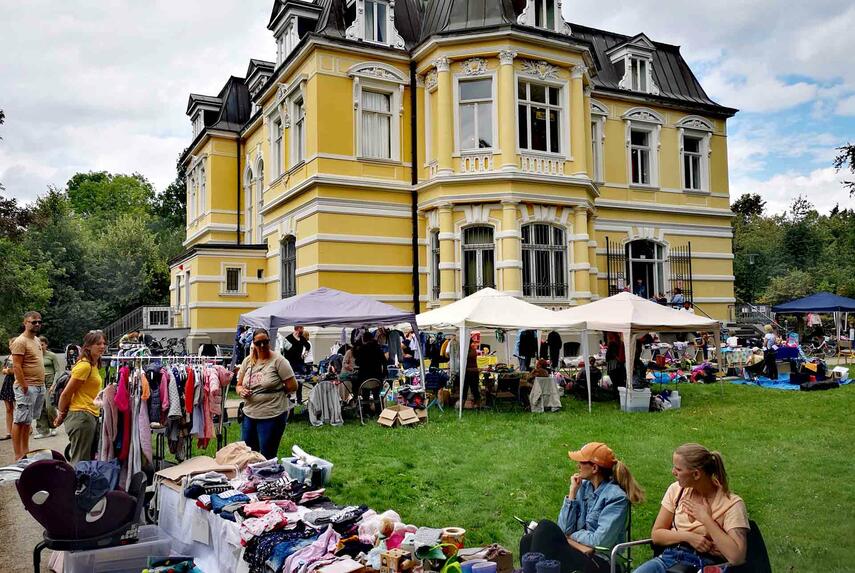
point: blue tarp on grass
(782, 383)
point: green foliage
(170, 205)
(102, 197)
(102, 244)
(846, 161)
(782, 257)
(13, 218)
(24, 286)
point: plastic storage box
(635, 400)
(304, 473)
(131, 558)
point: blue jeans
(264, 435)
(671, 557)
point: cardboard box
(398, 415)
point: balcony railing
(541, 165)
(476, 162)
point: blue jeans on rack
(264, 435)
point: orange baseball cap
(596, 453)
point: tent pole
(464, 354)
(717, 342)
(585, 354)
(628, 348)
(421, 365)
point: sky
(103, 84)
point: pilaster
(581, 261)
(446, 255)
(507, 109)
(445, 116)
(511, 249)
(577, 120)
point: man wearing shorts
(28, 364)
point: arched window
(259, 201)
(434, 265)
(645, 267)
(478, 259)
(247, 199)
(288, 272)
(544, 254)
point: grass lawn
(790, 455)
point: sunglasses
(260, 343)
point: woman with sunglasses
(76, 405)
(264, 381)
(594, 514)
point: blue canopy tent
(819, 302)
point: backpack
(58, 386)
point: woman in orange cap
(593, 516)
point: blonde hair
(624, 478)
(698, 457)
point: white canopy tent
(488, 308)
(631, 315)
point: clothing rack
(191, 359)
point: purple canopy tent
(330, 307)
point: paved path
(18, 530)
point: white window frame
(563, 123)
(373, 7)
(599, 115)
(258, 198)
(698, 128)
(430, 91)
(643, 119)
(434, 247)
(277, 147)
(660, 264)
(479, 248)
(494, 131)
(638, 73)
(356, 31)
(203, 189)
(287, 267)
(248, 180)
(528, 17)
(198, 123)
(381, 78)
(639, 48)
(191, 197)
(225, 267)
(388, 115)
(642, 155)
(298, 129)
(553, 248)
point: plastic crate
(133, 558)
(304, 472)
(637, 401)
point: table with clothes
(273, 515)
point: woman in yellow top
(77, 403)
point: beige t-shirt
(266, 382)
(726, 510)
(34, 367)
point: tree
(846, 160)
(170, 206)
(24, 286)
(749, 205)
(13, 219)
(793, 285)
(102, 197)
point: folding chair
(756, 555)
(369, 384)
(844, 351)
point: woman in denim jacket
(594, 513)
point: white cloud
(90, 85)
(821, 187)
(846, 106)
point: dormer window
(198, 124)
(638, 73)
(286, 39)
(290, 20)
(633, 61)
(544, 14)
(374, 21)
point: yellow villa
(416, 152)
